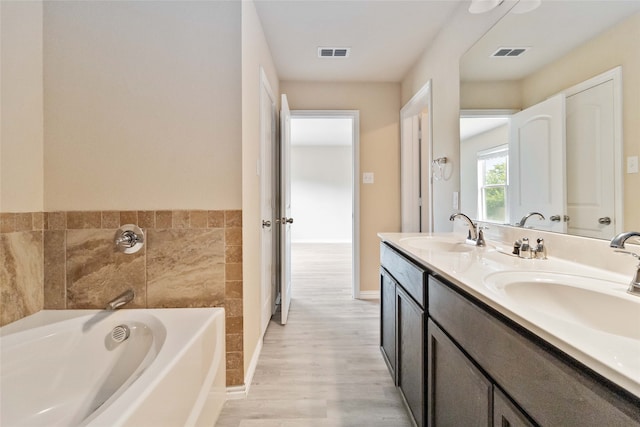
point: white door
(285, 210)
(415, 163)
(590, 162)
(536, 164)
(426, 200)
(410, 174)
(267, 199)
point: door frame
(416, 154)
(355, 151)
(270, 257)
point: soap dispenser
(525, 249)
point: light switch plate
(632, 164)
(367, 178)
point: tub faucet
(618, 243)
(527, 216)
(122, 299)
(475, 236)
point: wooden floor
(324, 368)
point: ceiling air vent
(334, 52)
(509, 52)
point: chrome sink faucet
(618, 243)
(122, 299)
(475, 235)
(524, 219)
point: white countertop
(613, 356)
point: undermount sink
(593, 303)
(431, 243)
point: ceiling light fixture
(483, 6)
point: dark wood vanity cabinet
(403, 328)
(458, 393)
(526, 375)
(506, 414)
(410, 354)
(388, 321)
(458, 362)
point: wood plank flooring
(324, 368)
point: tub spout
(122, 299)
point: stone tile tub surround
(21, 265)
(190, 259)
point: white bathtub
(63, 368)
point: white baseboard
(369, 295)
(236, 392)
(241, 391)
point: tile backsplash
(67, 260)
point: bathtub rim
(175, 346)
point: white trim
(369, 295)
(265, 86)
(414, 159)
(355, 116)
(487, 113)
(615, 75)
(237, 392)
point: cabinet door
(388, 321)
(459, 394)
(506, 414)
(410, 369)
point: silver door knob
(286, 220)
(555, 218)
(266, 224)
(604, 220)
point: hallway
(324, 368)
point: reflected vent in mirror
(334, 52)
(509, 52)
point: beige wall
(21, 114)
(505, 95)
(618, 46)
(255, 53)
(441, 64)
(379, 106)
(142, 105)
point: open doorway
(324, 197)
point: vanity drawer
(550, 386)
(411, 277)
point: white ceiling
(472, 126)
(551, 31)
(386, 37)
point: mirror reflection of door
(590, 162)
(537, 164)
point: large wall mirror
(550, 108)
